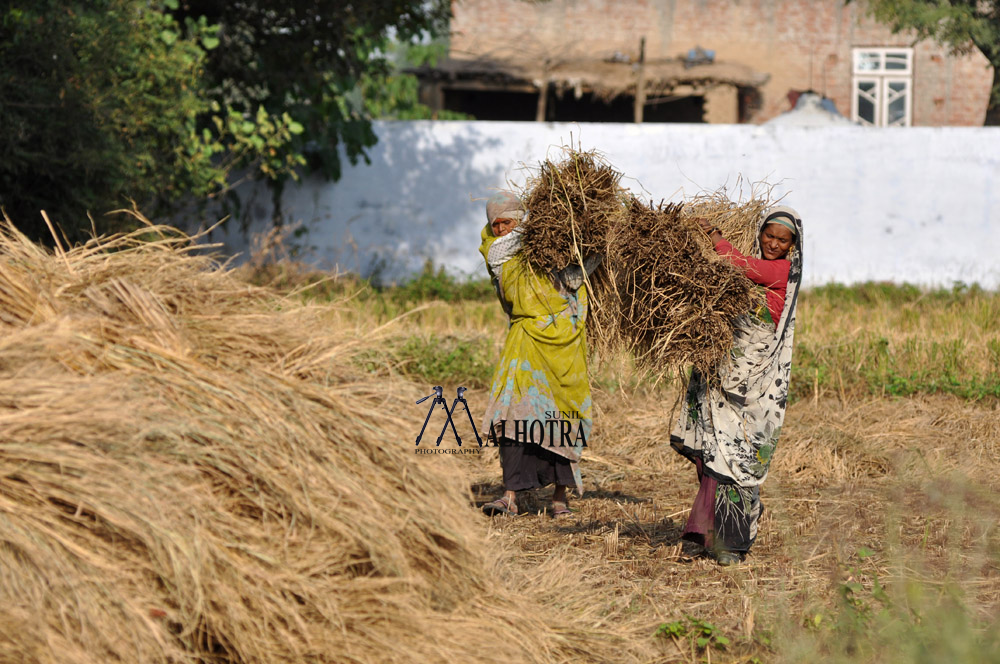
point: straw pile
(192, 471)
(661, 293)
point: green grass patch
(871, 338)
(437, 360)
(893, 340)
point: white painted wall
(917, 205)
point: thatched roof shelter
(606, 78)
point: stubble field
(199, 465)
(879, 540)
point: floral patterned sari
(731, 424)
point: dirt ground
(883, 493)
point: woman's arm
(772, 274)
(713, 232)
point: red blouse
(773, 275)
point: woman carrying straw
(540, 410)
(731, 424)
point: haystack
(192, 470)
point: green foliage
(437, 360)
(160, 102)
(98, 103)
(325, 63)
(895, 295)
(104, 103)
(701, 633)
(393, 95)
(910, 359)
(958, 24)
(437, 284)
(911, 366)
(447, 360)
(912, 622)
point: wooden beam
(640, 82)
(482, 86)
(543, 100)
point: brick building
(722, 61)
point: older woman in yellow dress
(539, 411)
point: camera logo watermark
(439, 399)
(556, 430)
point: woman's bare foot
(560, 505)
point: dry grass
(193, 470)
(197, 470)
(572, 206)
(737, 218)
(865, 490)
(889, 479)
(665, 297)
(661, 293)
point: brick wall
(801, 43)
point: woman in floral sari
(539, 411)
(731, 424)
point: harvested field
(880, 542)
(195, 469)
(877, 529)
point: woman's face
(775, 241)
(502, 226)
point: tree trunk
(992, 116)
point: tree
(105, 102)
(89, 105)
(324, 62)
(102, 104)
(959, 24)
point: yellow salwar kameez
(540, 391)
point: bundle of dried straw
(571, 206)
(193, 471)
(665, 295)
(738, 221)
(661, 293)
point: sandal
(500, 506)
(727, 558)
(560, 508)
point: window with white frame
(882, 87)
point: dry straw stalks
(572, 207)
(738, 220)
(670, 301)
(661, 293)
(191, 470)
